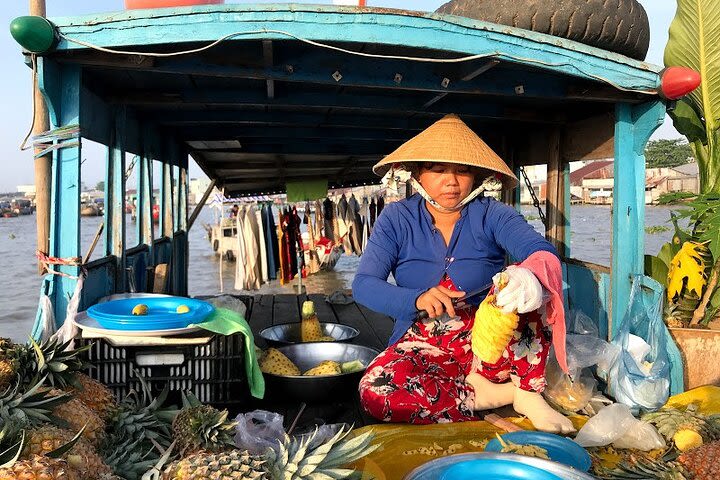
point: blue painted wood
(332, 24)
(61, 87)
(100, 281)
(115, 198)
(588, 292)
(633, 127)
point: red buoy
(133, 4)
(676, 82)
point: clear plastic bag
(640, 378)
(229, 302)
(616, 425)
(571, 392)
(259, 430)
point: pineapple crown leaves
(297, 459)
(10, 456)
(131, 458)
(56, 361)
(33, 406)
(59, 452)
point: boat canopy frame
(282, 92)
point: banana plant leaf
(695, 42)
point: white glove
(523, 292)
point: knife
(461, 302)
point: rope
(350, 52)
(47, 260)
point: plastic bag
(615, 424)
(229, 302)
(572, 391)
(640, 378)
(259, 430)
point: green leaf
(688, 122)
(656, 269)
(59, 452)
(695, 42)
(667, 252)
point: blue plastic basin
(162, 314)
(560, 449)
(496, 470)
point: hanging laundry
(343, 224)
(354, 223)
(380, 205)
(299, 247)
(373, 212)
(239, 264)
(319, 220)
(365, 218)
(262, 246)
(273, 251)
(252, 250)
(314, 261)
(328, 218)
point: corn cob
(493, 329)
(310, 329)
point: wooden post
(555, 201)
(634, 124)
(43, 165)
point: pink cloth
(546, 267)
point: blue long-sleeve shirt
(405, 242)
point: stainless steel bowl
(434, 469)
(318, 388)
(289, 333)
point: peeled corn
(310, 329)
(492, 330)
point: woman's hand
(438, 300)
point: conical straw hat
(449, 140)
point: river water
(590, 241)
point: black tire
(216, 245)
(620, 26)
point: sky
(16, 93)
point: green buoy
(35, 34)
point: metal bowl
(289, 333)
(434, 469)
(318, 388)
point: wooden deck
(375, 329)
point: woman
(438, 244)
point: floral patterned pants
(421, 378)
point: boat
(278, 93)
(90, 209)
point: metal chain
(536, 202)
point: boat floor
(375, 329)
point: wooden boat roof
(280, 98)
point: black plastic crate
(213, 371)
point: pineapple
(38, 467)
(8, 364)
(646, 469)
(492, 331)
(81, 458)
(687, 427)
(231, 464)
(202, 427)
(78, 415)
(328, 367)
(130, 459)
(293, 459)
(310, 328)
(273, 361)
(94, 394)
(703, 462)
